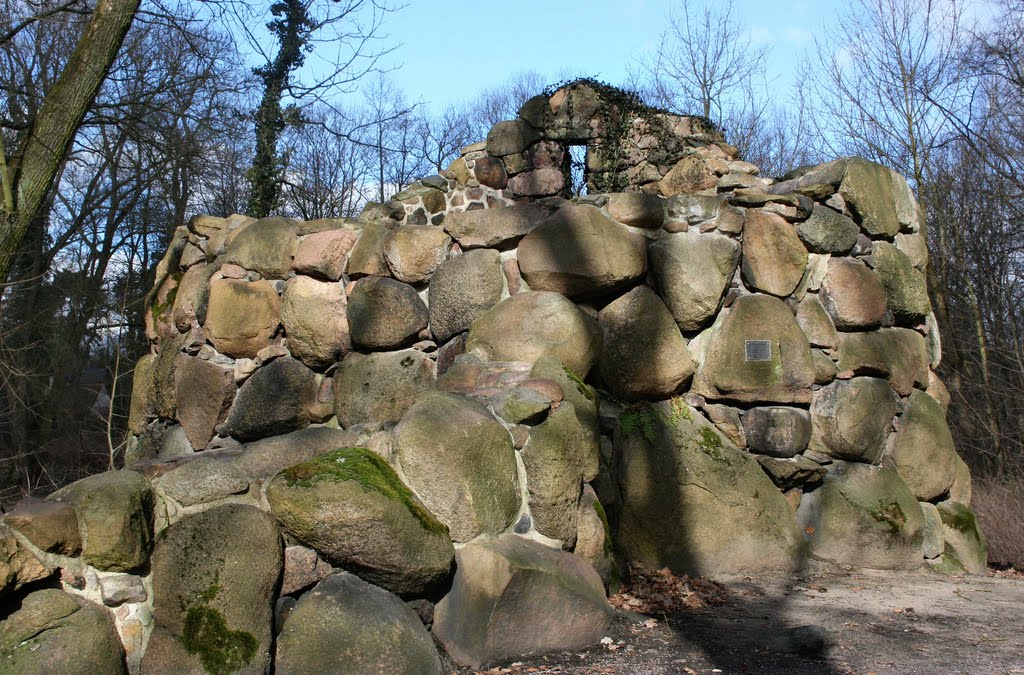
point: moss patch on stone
(960, 518)
(219, 649)
(582, 386)
(890, 514)
(369, 471)
(710, 444)
(160, 308)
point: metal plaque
(759, 350)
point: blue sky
(452, 49)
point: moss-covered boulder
(55, 632)
(785, 376)
(580, 252)
(275, 400)
(584, 403)
(827, 231)
(850, 418)
(512, 597)
(367, 256)
(242, 316)
(852, 294)
(531, 325)
(461, 462)
(349, 627)
(267, 246)
(115, 518)
(773, 256)
(643, 354)
(384, 313)
(964, 542)
(863, 516)
(461, 290)
(906, 290)
(899, 354)
(922, 452)
(354, 510)
(380, 387)
(214, 578)
(553, 459)
(691, 501)
(868, 190)
(692, 271)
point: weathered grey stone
(915, 247)
(203, 480)
(792, 472)
(214, 577)
(684, 210)
(353, 509)
(115, 518)
(314, 314)
(521, 405)
(594, 538)
(852, 294)
(275, 400)
(773, 257)
(187, 298)
(242, 316)
(896, 353)
(674, 474)
(461, 463)
(815, 323)
(643, 355)
(545, 181)
(777, 431)
(692, 272)
(18, 565)
(267, 246)
(324, 255)
(54, 632)
(690, 174)
(825, 369)
(350, 627)
(863, 516)
(204, 392)
(906, 291)
(868, 190)
(461, 290)
(302, 568)
(380, 387)
(264, 458)
(512, 597)
(580, 252)
(413, 252)
(934, 541)
(508, 138)
(554, 460)
(827, 231)
(963, 538)
(174, 444)
(367, 256)
(637, 209)
(785, 378)
(584, 403)
(121, 588)
(922, 452)
(961, 491)
(494, 228)
(851, 417)
(384, 313)
(531, 325)
(143, 405)
(50, 526)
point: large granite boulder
(274, 400)
(204, 391)
(815, 323)
(242, 316)
(777, 431)
(324, 255)
(643, 355)
(384, 313)
(785, 376)
(906, 290)
(580, 252)
(380, 387)
(367, 256)
(267, 456)
(461, 462)
(512, 597)
(349, 627)
(115, 518)
(48, 525)
(691, 501)
(584, 403)
(553, 459)
(494, 228)
(594, 537)
(637, 209)
(461, 290)
(511, 137)
(863, 516)
(214, 578)
(922, 452)
(531, 325)
(827, 231)
(896, 353)
(314, 317)
(18, 564)
(773, 256)
(267, 246)
(413, 252)
(55, 632)
(205, 478)
(868, 190)
(852, 294)
(851, 418)
(692, 272)
(354, 510)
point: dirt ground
(825, 621)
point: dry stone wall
(485, 389)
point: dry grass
(999, 505)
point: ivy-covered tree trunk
(292, 28)
(36, 163)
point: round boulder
(275, 400)
(384, 313)
(922, 452)
(242, 316)
(852, 294)
(413, 252)
(774, 259)
(692, 272)
(461, 290)
(380, 387)
(850, 418)
(315, 321)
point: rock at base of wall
(964, 541)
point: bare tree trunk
(37, 163)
